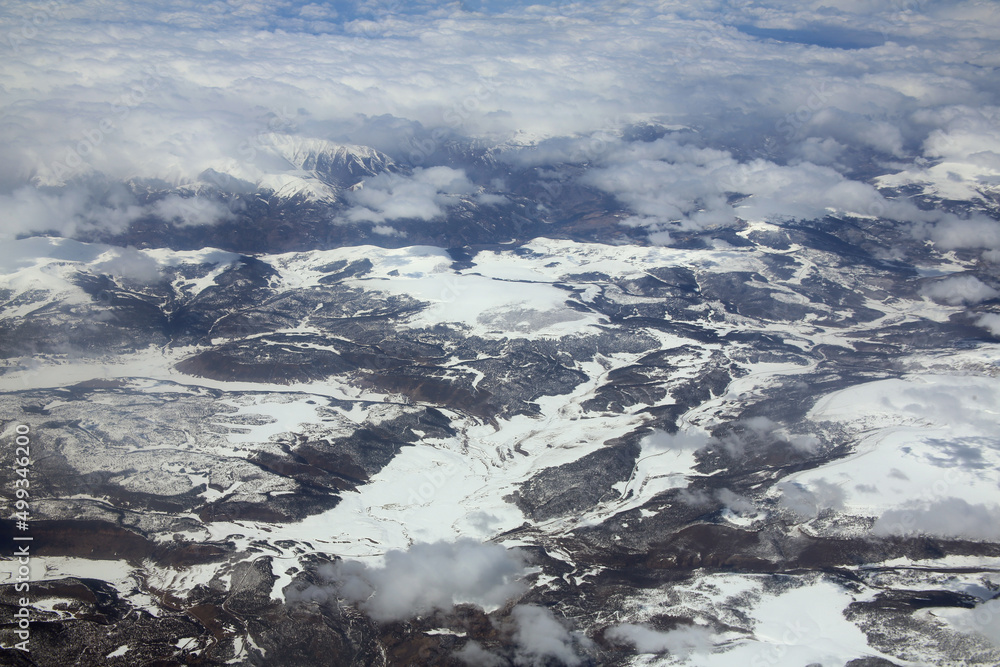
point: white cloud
(853, 129)
(805, 442)
(983, 620)
(541, 638)
(169, 89)
(130, 264)
(66, 212)
(694, 497)
(187, 211)
(975, 232)
(736, 503)
(201, 77)
(819, 151)
(748, 432)
(423, 195)
(426, 577)
(83, 208)
(962, 151)
(809, 501)
(315, 11)
(950, 517)
(990, 322)
(671, 185)
(958, 290)
(687, 439)
(681, 641)
(475, 655)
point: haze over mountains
(611, 333)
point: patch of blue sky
(830, 37)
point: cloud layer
(205, 79)
(780, 110)
(85, 208)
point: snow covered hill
(748, 450)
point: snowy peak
(338, 164)
(290, 167)
(320, 169)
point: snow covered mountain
(294, 168)
(287, 168)
(500, 334)
(767, 443)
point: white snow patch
(923, 440)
